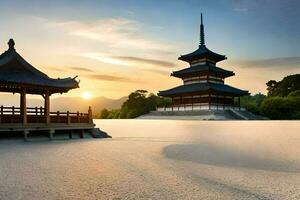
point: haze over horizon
(116, 47)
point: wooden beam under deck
(81, 128)
(9, 127)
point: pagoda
(203, 82)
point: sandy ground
(158, 159)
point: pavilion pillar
(23, 110)
(239, 103)
(47, 107)
(181, 102)
(209, 101)
(172, 103)
(192, 102)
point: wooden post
(172, 103)
(192, 103)
(90, 115)
(70, 134)
(181, 102)
(81, 134)
(68, 118)
(13, 114)
(51, 133)
(1, 110)
(23, 109)
(26, 132)
(58, 117)
(36, 114)
(47, 106)
(209, 101)
(78, 119)
(239, 103)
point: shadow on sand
(224, 156)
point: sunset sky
(118, 46)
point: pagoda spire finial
(202, 42)
(11, 44)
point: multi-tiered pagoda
(203, 82)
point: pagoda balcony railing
(197, 107)
(37, 115)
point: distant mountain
(81, 105)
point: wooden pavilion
(203, 83)
(18, 76)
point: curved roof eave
(22, 72)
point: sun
(87, 95)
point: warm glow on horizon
(87, 95)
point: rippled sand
(158, 159)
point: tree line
(137, 104)
(281, 102)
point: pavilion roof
(202, 88)
(202, 68)
(16, 72)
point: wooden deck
(35, 119)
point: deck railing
(37, 115)
(197, 107)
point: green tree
(114, 114)
(294, 94)
(281, 107)
(104, 114)
(282, 88)
(140, 103)
(252, 103)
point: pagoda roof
(201, 88)
(202, 52)
(16, 71)
(202, 68)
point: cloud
(81, 69)
(114, 32)
(128, 60)
(158, 71)
(276, 63)
(103, 77)
(56, 69)
(104, 58)
(138, 60)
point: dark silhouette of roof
(202, 68)
(15, 70)
(202, 51)
(203, 87)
